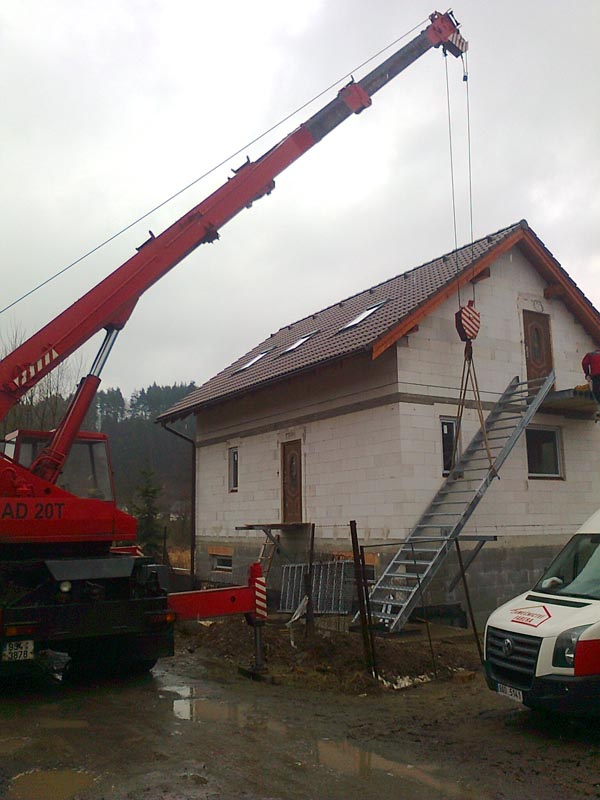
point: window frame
(445, 418)
(219, 562)
(299, 342)
(365, 314)
(233, 469)
(560, 464)
(254, 360)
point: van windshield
(575, 572)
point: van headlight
(564, 649)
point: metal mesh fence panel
(332, 586)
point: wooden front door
(291, 480)
(538, 345)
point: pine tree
(147, 511)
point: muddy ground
(195, 729)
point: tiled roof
(401, 297)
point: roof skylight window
(299, 342)
(362, 316)
(253, 360)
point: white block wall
(381, 464)
(514, 506)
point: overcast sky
(110, 107)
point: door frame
(546, 329)
(297, 444)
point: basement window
(233, 469)
(362, 316)
(221, 558)
(543, 453)
(221, 563)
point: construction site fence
(332, 586)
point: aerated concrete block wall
(372, 449)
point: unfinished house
(351, 414)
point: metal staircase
(399, 589)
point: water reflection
(339, 756)
(48, 785)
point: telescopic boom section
(109, 304)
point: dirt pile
(333, 659)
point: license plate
(18, 651)
(508, 691)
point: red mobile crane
(63, 586)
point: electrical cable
(209, 172)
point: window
(253, 360)
(362, 316)
(9, 449)
(543, 453)
(221, 563)
(233, 469)
(300, 341)
(221, 558)
(448, 439)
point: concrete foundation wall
(501, 571)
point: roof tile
(400, 296)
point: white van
(543, 647)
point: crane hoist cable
(467, 318)
(467, 321)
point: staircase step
(448, 503)
(386, 617)
(442, 514)
(408, 576)
(435, 526)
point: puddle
(200, 709)
(338, 756)
(48, 785)
(351, 760)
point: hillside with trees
(138, 445)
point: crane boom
(72, 579)
(110, 303)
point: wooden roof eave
(553, 273)
(448, 290)
(542, 260)
(200, 405)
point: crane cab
(86, 473)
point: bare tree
(43, 405)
